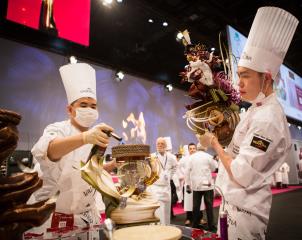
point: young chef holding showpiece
(261, 141)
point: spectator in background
(188, 197)
(161, 188)
(198, 176)
(278, 178)
(285, 170)
(299, 166)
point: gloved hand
(96, 135)
(206, 139)
(188, 189)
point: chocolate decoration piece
(131, 150)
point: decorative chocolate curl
(15, 215)
(216, 109)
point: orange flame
(138, 131)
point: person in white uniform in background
(64, 145)
(161, 188)
(198, 176)
(299, 167)
(174, 181)
(278, 178)
(180, 175)
(188, 196)
(261, 141)
(285, 170)
(181, 170)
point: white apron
(278, 176)
(163, 195)
(285, 169)
(161, 189)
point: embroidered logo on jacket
(260, 143)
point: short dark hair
(191, 144)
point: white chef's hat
(169, 143)
(268, 41)
(79, 81)
(186, 150)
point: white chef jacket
(260, 144)
(285, 170)
(188, 197)
(168, 165)
(161, 189)
(278, 176)
(198, 172)
(76, 196)
(300, 165)
(300, 170)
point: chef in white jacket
(285, 170)
(261, 141)
(161, 189)
(64, 145)
(188, 197)
(278, 178)
(199, 179)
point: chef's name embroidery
(231, 221)
(235, 149)
(260, 143)
(243, 211)
(88, 191)
(87, 90)
(87, 216)
(246, 56)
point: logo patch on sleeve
(260, 143)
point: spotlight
(169, 87)
(165, 24)
(73, 59)
(107, 2)
(119, 1)
(289, 124)
(179, 36)
(227, 61)
(212, 49)
(150, 20)
(119, 76)
(299, 127)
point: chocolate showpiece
(15, 215)
(216, 108)
(126, 201)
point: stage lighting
(299, 127)
(73, 59)
(212, 49)
(119, 76)
(169, 87)
(107, 2)
(150, 20)
(119, 1)
(165, 24)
